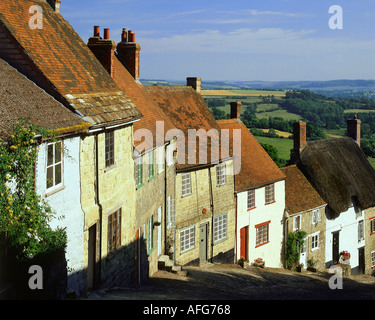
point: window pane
(58, 151)
(50, 155)
(50, 177)
(58, 174)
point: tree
(24, 215)
(274, 154)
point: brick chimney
(128, 52)
(194, 82)
(235, 110)
(299, 135)
(55, 4)
(353, 129)
(103, 49)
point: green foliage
(24, 215)
(293, 248)
(274, 154)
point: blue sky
(270, 40)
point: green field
(372, 162)
(358, 111)
(261, 92)
(283, 146)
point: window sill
(151, 178)
(186, 195)
(151, 251)
(53, 191)
(270, 202)
(139, 186)
(187, 250)
(251, 208)
(110, 168)
(262, 244)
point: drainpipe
(165, 200)
(99, 204)
(212, 213)
(235, 228)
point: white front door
(159, 231)
(303, 255)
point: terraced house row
(130, 183)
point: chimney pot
(96, 31)
(131, 36)
(353, 129)
(106, 34)
(235, 110)
(194, 82)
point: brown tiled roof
(187, 110)
(300, 195)
(151, 112)
(257, 167)
(60, 55)
(19, 97)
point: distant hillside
(332, 88)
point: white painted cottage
(340, 172)
(260, 198)
(57, 174)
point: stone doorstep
(166, 264)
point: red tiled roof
(187, 110)
(60, 55)
(300, 195)
(257, 167)
(151, 112)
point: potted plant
(311, 265)
(345, 255)
(299, 267)
(241, 262)
(259, 262)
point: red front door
(243, 244)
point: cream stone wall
(197, 209)
(317, 229)
(116, 190)
(369, 215)
(150, 198)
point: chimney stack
(299, 138)
(235, 110)
(103, 49)
(194, 82)
(55, 4)
(353, 129)
(128, 52)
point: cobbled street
(231, 282)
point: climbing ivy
(293, 248)
(24, 215)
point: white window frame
(151, 167)
(220, 227)
(221, 175)
(186, 188)
(250, 199)
(315, 241)
(372, 259)
(361, 230)
(187, 239)
(297, 220)
(315, 216)
(54, 165)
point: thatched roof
(340, 172)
